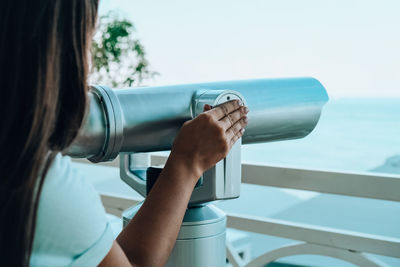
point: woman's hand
(207, 139)
(150, 236)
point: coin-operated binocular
(128, 121)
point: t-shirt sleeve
(72, 227)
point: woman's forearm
(150, 236)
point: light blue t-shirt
(71, 226)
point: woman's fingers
(236, 137)
(226, 108)
(237, 130)
(229, 120)
(232, 120)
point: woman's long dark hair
(43, 69)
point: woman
(50, 215)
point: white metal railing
(346, 245)
(356, 184)
(374, 185)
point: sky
(352, 47)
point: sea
(353, 134)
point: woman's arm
(150, 236)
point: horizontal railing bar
(367, 185)
(158, 159)
(356, 184)
(354, 241)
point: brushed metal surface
(280, 109)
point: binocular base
(201, 239)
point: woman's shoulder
(71, 222)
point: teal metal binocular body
(148, 119)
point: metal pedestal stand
(201, 239)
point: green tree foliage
(119, 59)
